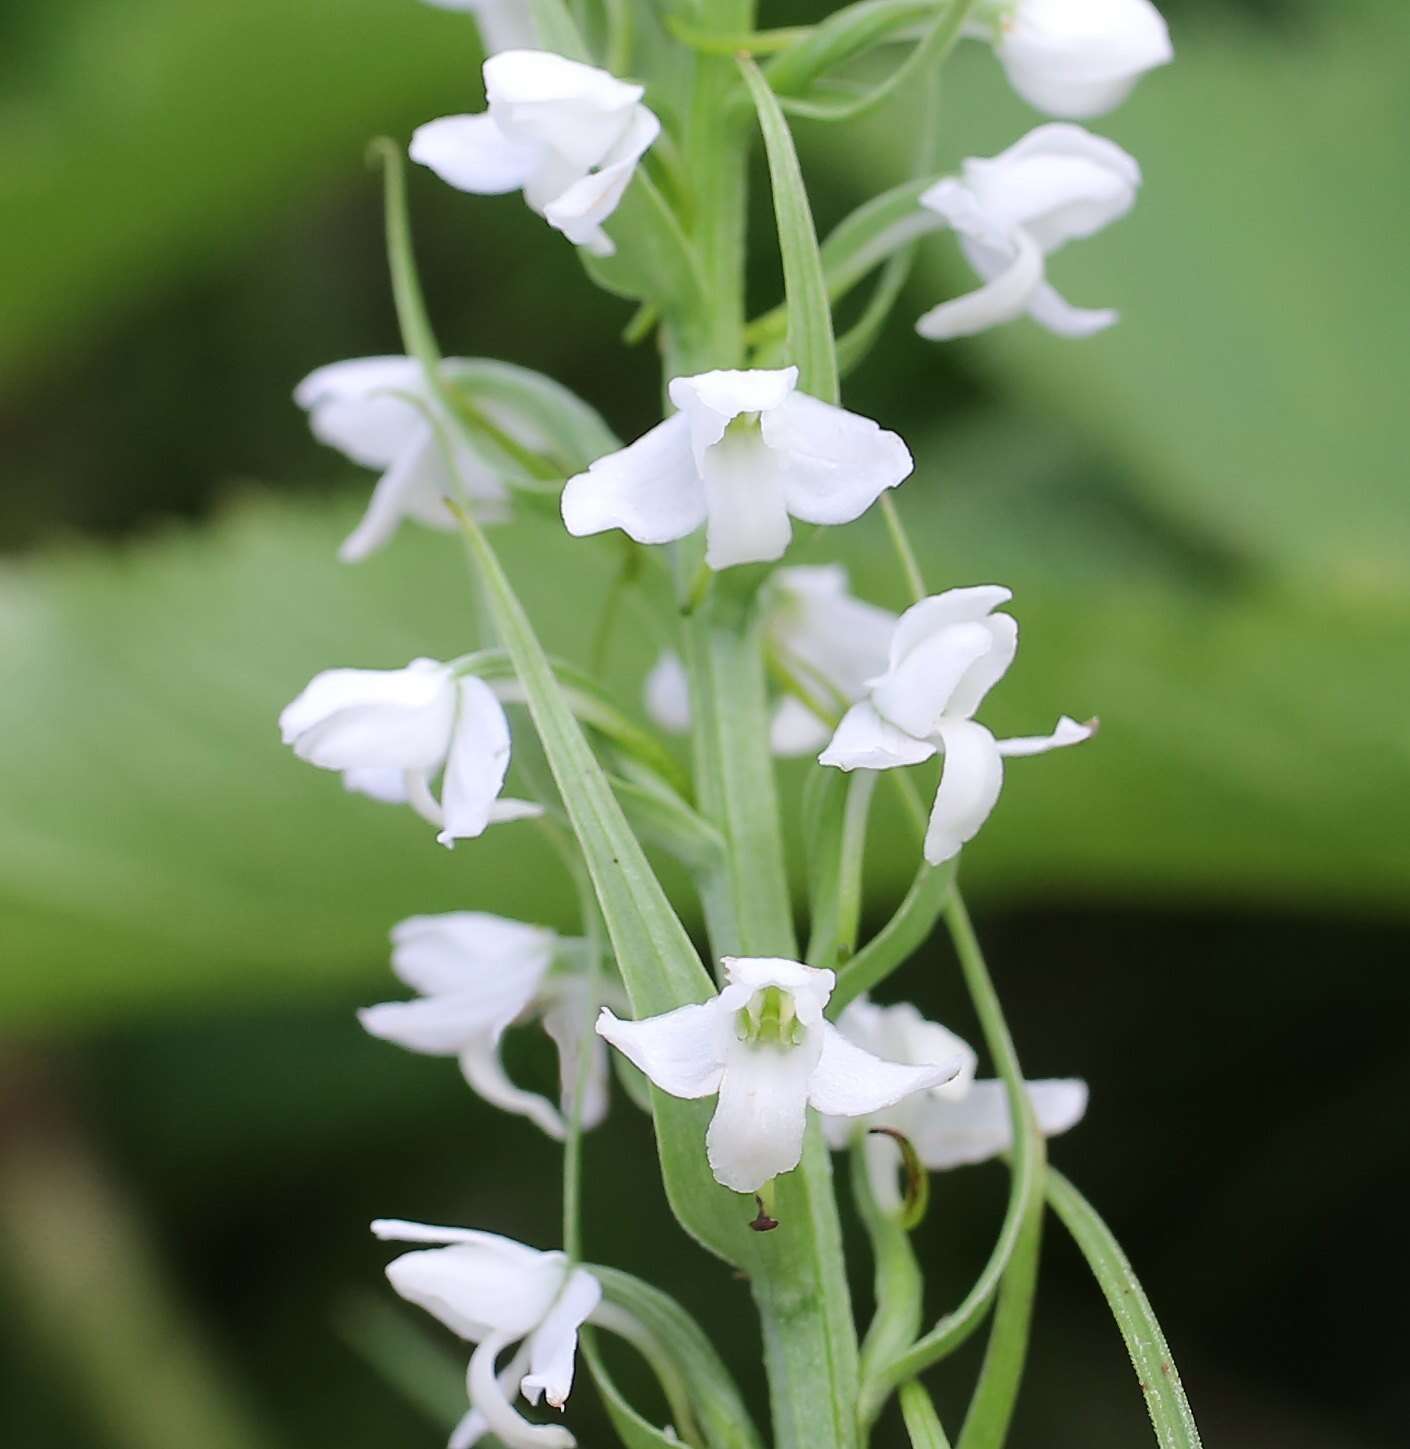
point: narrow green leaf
(686, 1352)
(1171, 1416)
(844, 35)
(572, 430)
(922, 1422)
(663, 819)
(657, 961)
(860, 242)
(898, 940)
(810, 340)
(558, 31)
(634, 1431)
(837, 890)
(929, 52)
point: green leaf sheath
(715, 1402)
(922, 1422)
(810, 341)
(1171, 1416)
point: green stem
(905, 554)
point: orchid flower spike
(959, 1122)
(816, 633)
(947, 653)
(745, 452)
(391, 730)
(479, 974)
(763, 1046)
(1074, 58)
(1013, 210)
(504, 24)
(567, 135)
(495, 1292)
(379, 412)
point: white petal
(988, 669)
(477, 763)
(460, 950)
(970, 782)
(1049, 309)
(411, 487)
(474, 1426)
(915, 694)
(442, 1025)
(680, 1050)
(567, 1020)
(481, 1284)
(757, 1130)
(650, 489)
(373, 718)
(506, 809)
(756, 973)
(667, 694)
(554, 1343)
(580, 211)
(1004, 299)
(1081, 60)
(483, 1070)
(840, 639)
(865, 741)
(955, 606)
(352, 406)
(746, 506)
(978, 1128)
(577, 111)
(503, 23)
(796, 730)
(488, 1397)
(386, 785)
(1057, 183)
(1068, 732)
(850, 1082)
(711, 401)
(472, 154)
(834, 464)
(900, 1033)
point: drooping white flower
(567, 135)
(947, 653)
(763, 1046)
(374, 724)
(495, 1292)
(825, 637)
(477, 975)
(960, 1122)
(1012, 210)
(379, 412)
(504, 24)
(1075, 58)
(746, 452)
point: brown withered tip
(763, 1223)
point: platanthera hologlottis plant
(628, 127)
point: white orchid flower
(947, 653)
(495, 1292)
(960, 1122)
(825, 637)
(567, 135)
(477, 975)
(1013, 210)
(376, 724)
(504, 24)
(1075, 58)
(763, 1047)
(746, 452)
(379, 412)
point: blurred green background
(1203, 516)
